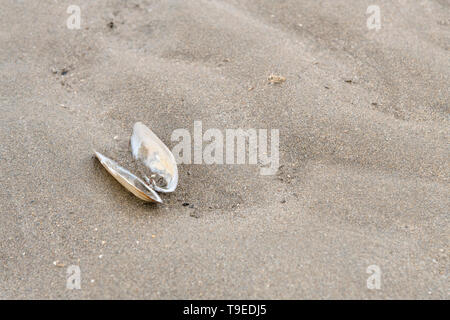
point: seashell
(276, 79)
(147, 148)
(132, 183)
(153, 153)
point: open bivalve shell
(147, 148)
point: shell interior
(154, 154)
(132, 183)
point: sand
(364, 147)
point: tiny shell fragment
(276, 79)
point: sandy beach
(363, 120)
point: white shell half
(132, 183)
(154, 154)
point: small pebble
(58, 264)
(194, 215)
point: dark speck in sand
(194, 214)
(185, 204)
